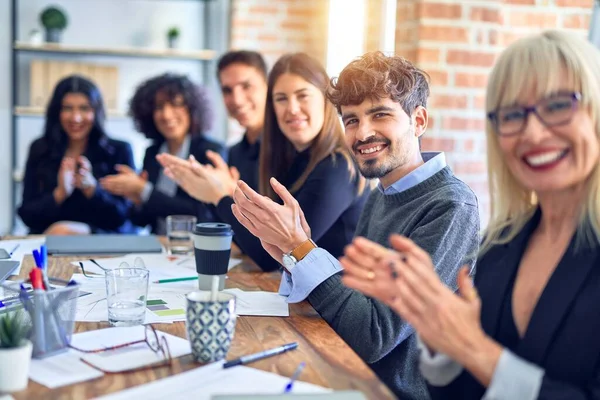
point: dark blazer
(159, 205)
(563, 335)
(103, 212)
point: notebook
(102, 244)
(6, 268)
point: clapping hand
(84, 178)
(205, 183)
(126, 183)
(65, 179)
(406, 280)
(281, 228)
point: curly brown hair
(195, 96)
(377, 76)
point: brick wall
(373, 24)
(457, 43)
(275, 27)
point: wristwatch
(291, 259)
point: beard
(394, 156)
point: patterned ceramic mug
(210, 325)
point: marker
(259, 356)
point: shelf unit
(210, 25)
(27, 111)
(143, 52)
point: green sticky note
(169, 313)
(155, 302)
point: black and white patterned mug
(210, 324)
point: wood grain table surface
(330, 362)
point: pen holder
(52, 315)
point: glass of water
(126, 294)
(179, 233)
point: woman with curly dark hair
(174, 113)
(60, 190)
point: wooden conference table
(329, 360)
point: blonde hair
(538, 65)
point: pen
(259, 356)
(297, 372)
(13, 250)
(37, 258)
(188, 278)
(44, 266)
(44, 255)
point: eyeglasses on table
(158, 345)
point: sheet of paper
(267, 304)
(25, 247)
(61, 370)
(161, 266)
(204, 382)
(67, 368)
(165, 304)
(129, 357)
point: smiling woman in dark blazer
(175, 114)
(530, 329)
(60, 193)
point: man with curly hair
(382, 101)
(175, 114)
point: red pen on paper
(36, 278)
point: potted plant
(172, 36)
(15, 351)
(54, 20)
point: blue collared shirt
(319, 265)
(433, 163)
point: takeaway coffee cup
(212, 247)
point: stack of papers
(167, 303)
(21, 248)
(161, 266)
(204, 382)
(67, 368)
(164, 304)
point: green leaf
(14, 329)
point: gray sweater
(440, 215)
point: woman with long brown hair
(302, 147)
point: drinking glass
(179, 233)
(126, 294)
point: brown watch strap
(301, 251)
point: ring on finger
(393, 270)
(370, 275)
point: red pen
(36, 278)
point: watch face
(288, 261)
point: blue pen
(37, 258)
(43, 260)
(44, 254)
(288, 387)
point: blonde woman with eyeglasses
(528, 328)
